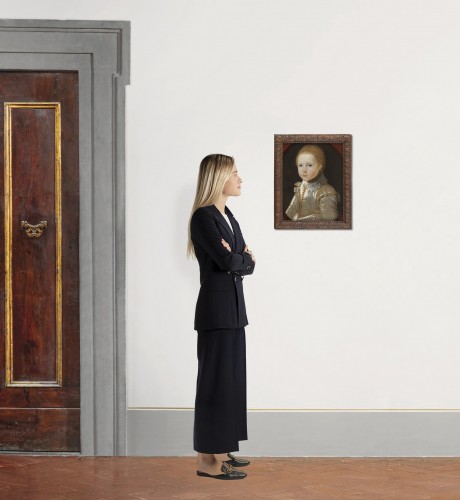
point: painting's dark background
(333, 171)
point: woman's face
(233, 185)
(308, 166)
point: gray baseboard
(168, 432)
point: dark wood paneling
(24, 430)
(34, 261)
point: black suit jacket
(220, 302)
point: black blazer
(220, 302)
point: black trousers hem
(220, 451)
(220, 404)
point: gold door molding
(9, 108)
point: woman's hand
(226, 245)
(253, 257)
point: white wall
(361, 319)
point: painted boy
(314, 198)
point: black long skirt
(220, 403)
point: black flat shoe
(237, 461)
(228, 473)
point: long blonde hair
(214, 172)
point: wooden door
(39, 297)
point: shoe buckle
(227, 467)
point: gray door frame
(99, 51)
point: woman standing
(216, 240)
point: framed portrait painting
(313, 181)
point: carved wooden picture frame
(313, 181)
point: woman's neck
(220, 203)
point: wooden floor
(48, 478)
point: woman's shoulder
(202, 213)
(210, 211)
(203, 210)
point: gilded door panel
(32, 190)
(39, 343)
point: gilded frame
(9, 336)
(337, 149)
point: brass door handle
(34, 230)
